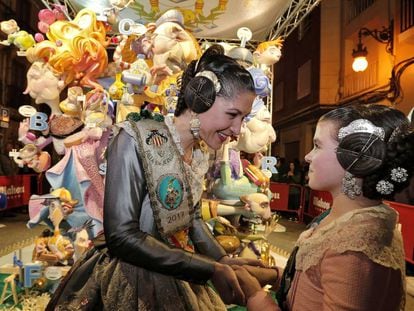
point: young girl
(352, 257)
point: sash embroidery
(167, 183)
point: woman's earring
(350, 187)
(195, 126)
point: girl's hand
(265, 276)
(241, 261)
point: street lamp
(360, 57)
(360, 54)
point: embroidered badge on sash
(170, 191)
(156, 138)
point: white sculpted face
(257, 133)
(270, 56)
(44, 85)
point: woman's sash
(166, 178)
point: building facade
(315, 73)
(13, 68)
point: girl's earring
(350, 186)
(195, 126)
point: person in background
(293, 176)
(304, 174)
(351, 257)
(281, 170)
(158, 253)
(7, 166)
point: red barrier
(406, 220)
(280, 198)
(319, 201)
(16, 189)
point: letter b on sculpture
(38, 122)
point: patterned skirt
(100, 282)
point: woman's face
(325, 172)
(224, 118)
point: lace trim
(199, 164)
(371, 231)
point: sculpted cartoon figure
(173, 46)
(20, 38)
(75, 51)
(75, 55)
(44, 85)
(31, 156)
(258, 132)
(269, 52)
(71, 106)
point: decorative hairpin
(396, 132)
(384, 187)
(361, 126)
(212, 77)
(399, 174)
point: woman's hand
(241, 261)
(225, 281)
(256, 298)
(249, 284)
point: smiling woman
(157, 248)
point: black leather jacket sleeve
(203, 240)
(125, 189)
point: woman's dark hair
(198, 93)
(376, 162)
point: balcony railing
(356, 7)
(407, 14)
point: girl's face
(224, 118)
(325, 172)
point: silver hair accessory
(361, 126)
(396, 132)
(195, 127)
(384, 187)
(212, 77)
(399, 174)
(350, 186)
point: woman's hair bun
(199, 94)
(361, 153)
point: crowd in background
(292, 172)
(295, 172)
